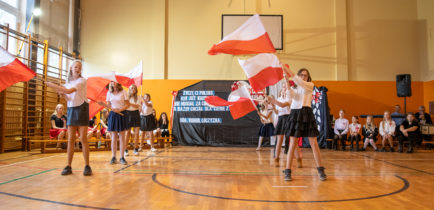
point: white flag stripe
(136, 71)
(109, 76)
(5, 57)
(256, 64)
(251, 29)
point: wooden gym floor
(217, 178)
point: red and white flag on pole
(262, 70)
(96, 84)
(249, 38)
(12, 70)
(239, 100)
(134, 76)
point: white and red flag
(97, 85)
(12, 70)
(262, 70)
(239, 100)
(134, 76)
(249, 38)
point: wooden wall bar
(26, 107)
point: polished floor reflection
(218, 178)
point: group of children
(295, 120)
(129, 113)
(408, 130)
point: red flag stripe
(266, 77)
(14, 72)
(262, 44)
(241, 108)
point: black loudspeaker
(403, 85)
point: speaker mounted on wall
(403, 85)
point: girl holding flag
(283, 104)
(133, 117)
(301, 120)
(75, 93)
(147, 120)
(118, 102)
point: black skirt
(282, 125)
(266, 130)
(78, 115)
(117, 122)
(302, 123)
(147, 123)
(133, 119)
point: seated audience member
(92, 130)
(340, 130)
(423, 117)
(369, 132)
(409, 132)
(104, 124)
(398, 117)
(397, 110)
(163, 125)
(58, 124)
(387, 131)
(354, 130)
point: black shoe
(287, 175)
(362, 149)
(392, 150)
(113, 160)
(409, 151)
(67, 170)
(321, 173)
(383, 149)
(285, 152)
(377, 150)
(87, 171)
(123, 161)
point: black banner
(195, 123)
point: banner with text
(195, 123)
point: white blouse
(355, 128)
(146, 110)
(302, 94)
(341, 124)
(118, 99)
(284, 110)
(79, 96)
(267, 120)
(133, 102)
(387, 127)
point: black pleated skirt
(302, 123)
(133, 119)
(282, 125)
(266, 130)
(147, 123)
(117, 122)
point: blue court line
(405, 187)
